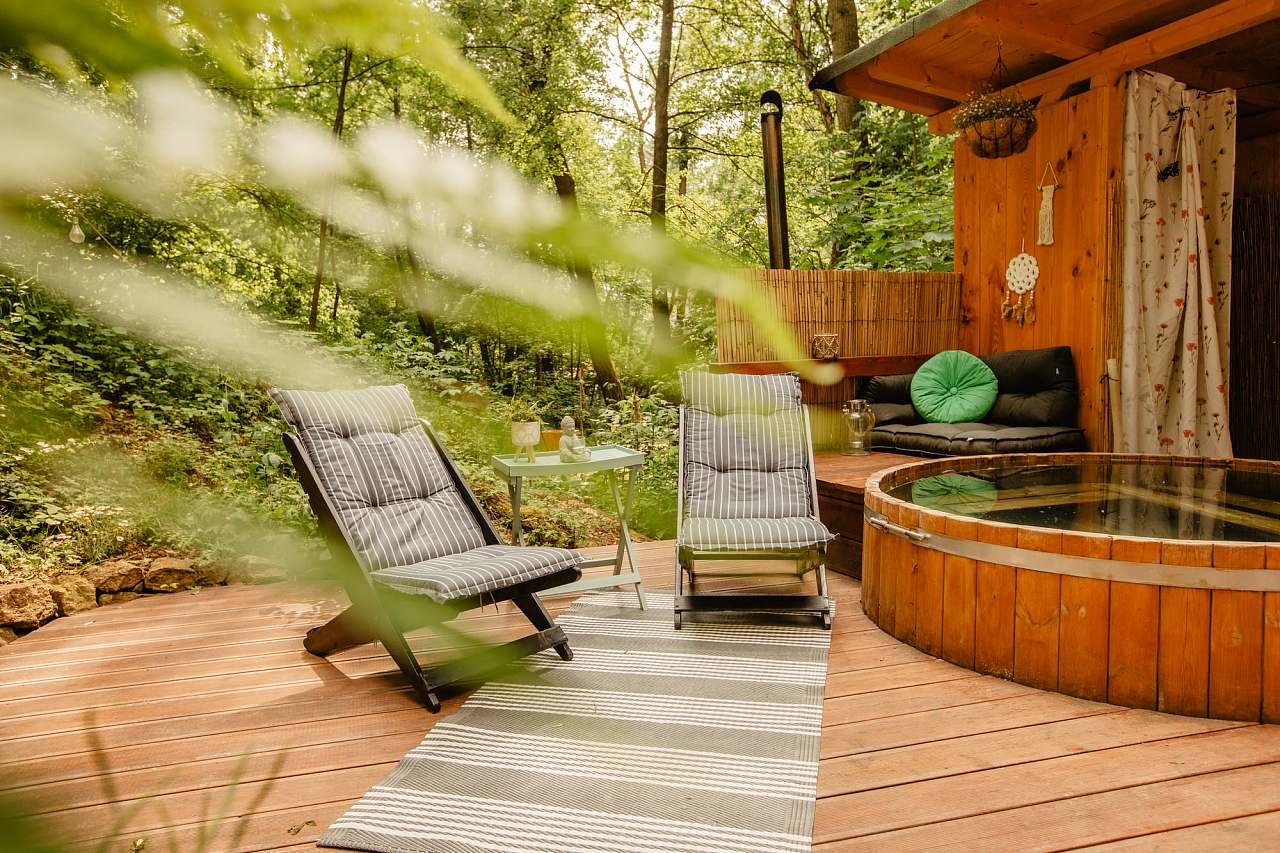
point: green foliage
(194, 418)
(892, 208)
(523, 411)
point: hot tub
(1145, 581)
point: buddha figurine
(572, 447)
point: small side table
(608, 458)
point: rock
(212, 574)
(253, 569)
(26, 605)
(114, 575)
(74, 594)
(7, 636)
(117, 597)
(166, 574)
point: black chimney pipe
(775, 189)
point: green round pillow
(953, 387)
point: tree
(596, 334)
(661, 146)
(339, 117)
(842, 22)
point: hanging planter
(994, 121)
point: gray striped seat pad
(752, 534)
(651, 740)
(388, 484)
(476, 571)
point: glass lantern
(859, 420)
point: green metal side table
(608, 458)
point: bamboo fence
(872, 312)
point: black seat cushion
(975, 439)
(1034, 412)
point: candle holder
(825, 346)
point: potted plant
(526, 428)
(996, 124)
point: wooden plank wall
(1258, 166)
(996, 207)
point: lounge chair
(413, 546)
(747, 489)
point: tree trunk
(674, 296)
(597, 338)
(411, 273)
(661, 144)
(339, 116)
(842, 21)
(809, 62)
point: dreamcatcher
(1020, 279)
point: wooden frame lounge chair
(746, 488)
(412, 544)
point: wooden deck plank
(1254, 832)
(183, 693)
(1095, 818)
(942, 759)
(999, 789)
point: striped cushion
(477, 571)
(731, 393)
(746, 477)
(745, 446)
(746, 465)
(752, 534)
(387, 482)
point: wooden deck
(133, 721)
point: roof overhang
(1054, 48)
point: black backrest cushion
(890, 399)
(1038, 387)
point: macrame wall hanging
(1044, 232)
(1020, 279)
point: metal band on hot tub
(1102, 568)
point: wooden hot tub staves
(1182, 626)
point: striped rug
(702, 740)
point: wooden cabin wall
(1255, 300)
(875, 313)
(996, 208)
(1258, 166)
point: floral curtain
(1179, 170)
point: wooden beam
(1021, 25)
(859, 366)
(920, 76)
(1224, 19)
(859, 84)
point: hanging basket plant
(996, 121)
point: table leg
(517, 530)
(624, 538)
